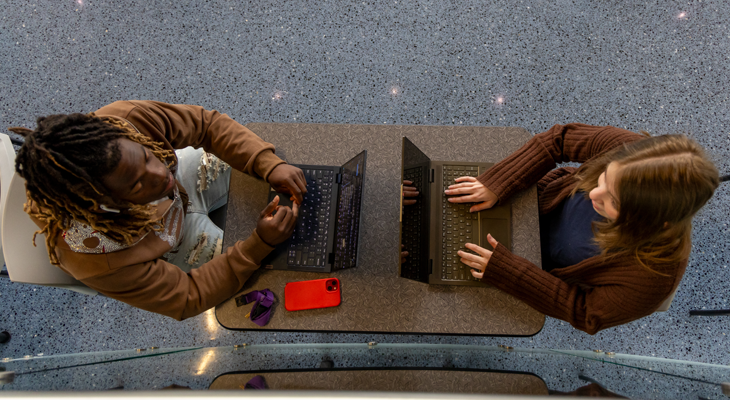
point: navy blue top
(566, 236)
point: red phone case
(305, 295)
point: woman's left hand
(480, 260)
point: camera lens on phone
(329, 288)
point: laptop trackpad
(499, 228)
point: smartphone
(305, 295)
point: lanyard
(257, 382)
(261, 312)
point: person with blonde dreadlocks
(127, 216)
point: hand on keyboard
(480, 260)
(469, 190)
(409, 192)
(286, 178)
(276, 228)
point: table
(393, 380)
(374, 298)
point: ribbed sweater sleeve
(562, 143)
(612, 294)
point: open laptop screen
(348, 212)
(415, 218)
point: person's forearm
(224, 275)
(240, 147)
(542, 153)
(185, 125)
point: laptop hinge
(338, 178)
(431, 178)
(430, 266)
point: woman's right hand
(276, 228)
(409, 192)
(469, 190)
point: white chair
(667, 302)
(25, 263)
(7, 170)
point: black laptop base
(433, 230)
(310, 247)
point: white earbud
(108, 209)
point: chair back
(25, 263)
(667, 302)
(7, 170)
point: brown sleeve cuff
(519, 277)
(255, 248)
(500, 267)
(266, 161)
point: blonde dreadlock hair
(63, 161)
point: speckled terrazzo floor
(654, 65)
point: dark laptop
(433, 230)
(326, 235)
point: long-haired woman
(615, 233)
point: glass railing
(372, 367)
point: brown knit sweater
(138, 275)
(597, 293)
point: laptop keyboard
(459, 227)
(412, 227)
(308, 244)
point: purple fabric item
(261, 311)
(257, 382)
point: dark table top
(374, 298)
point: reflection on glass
(380, 367)
(211, 324)
(393, 380)
(204, 360)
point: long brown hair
(63, 161)
(661, 183)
